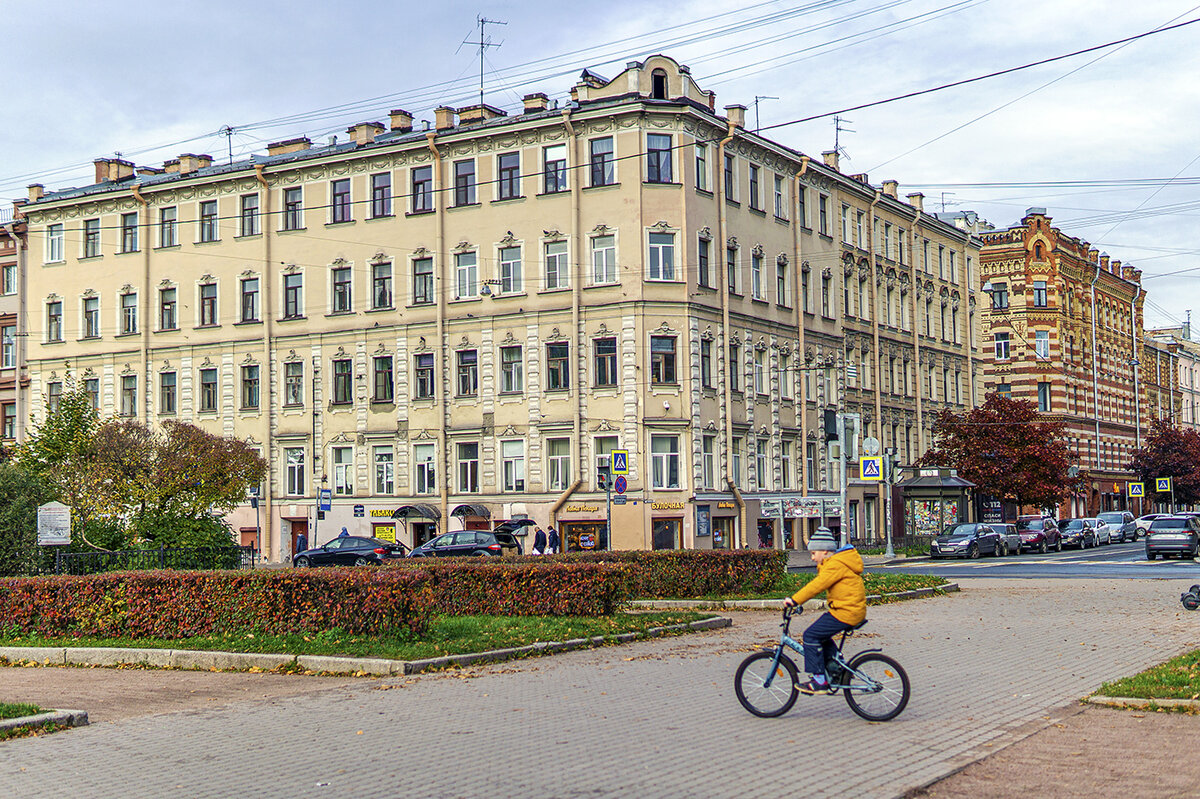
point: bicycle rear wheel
(884, 691)
(750, 683)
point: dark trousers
(818, 642)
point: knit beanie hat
(823, 540)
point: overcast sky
(153, 79)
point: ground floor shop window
(722, 532)
(585, 536)
(666, 533)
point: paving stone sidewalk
(657, 718)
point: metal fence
(231, 557)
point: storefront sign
(359, 511)
(703, 521)
(729, 505)
(384, 532)
(666, 506)
(769, 508)
(582, 508)
(385, 513)
(587, 541)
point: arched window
(1037, 251)
(658, 84)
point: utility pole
(888, 464)
(228, 132)
(838, 130)
(757, 98)
(483, 44)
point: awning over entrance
(420, 510)
(477, 511)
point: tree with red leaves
(1173, 452)
(1006, 450)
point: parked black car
(469, 542)
(1039, 533)
(1077, 533)
(1121, 525)
(1173, 535)
(966, 541)
(349, 550)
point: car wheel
(1150, 555)
(973, 551)
(1044, 549)
(361, 561)
(479, 554)
(302, 563)
(1058, 547)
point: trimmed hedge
(175, 604)
(532, 587)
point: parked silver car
(1010, 538)
(1103, 531)
(1121, 525)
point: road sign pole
(607, 514)
(887, 508)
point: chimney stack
(1116, 267)
(101, 165)
(190, 162)
(480, 112)
(736, 114)
(535, 102)
(36, 192)
(917, 200)
(1103, 260)
(401, 120)
(443, 117)
(364, 132)
(831, 158)
(289, 146)
(892, 188)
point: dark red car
(1039, 534)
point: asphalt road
(1113, 560)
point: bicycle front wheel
(877, 687)
(761, 699)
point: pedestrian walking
(552, 542)
(301, 542)
(539, 541)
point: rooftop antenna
(228, 131)
(944, 199)
(838, 130)
(757, 98)
(483, 44)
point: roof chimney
(149, 171)
(917, 200)
(1103, 260)
(289, 146)
(1116, 267)
(36, 192)
(364, 132)
(892, 188)
(443, 117)
(401, 120)
(171, 166)
(736, 114)
(861, 177)
(482, 112)
(101, 165)
(190, 162)
(535, 102)
(831, 158)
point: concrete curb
(777, 604)
(380, 667)
(1141, 704)
(66, 718)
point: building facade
(12, 261)
(451, 327)
(1174, 366)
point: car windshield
(960, 530)
(1070, 524)
(1169, 524)
(1029, 524)
(1118, 518)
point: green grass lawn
(1178, 678)
(447, 635)
(16, 711)
(875, 583)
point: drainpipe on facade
(19, 344)
(1133, 345)
(723, 234)
(577, 335)
(878, 378)
(912, 256)
(558, 503)
(1095, 370)
(144, 302)
(798, 304)
(967, 320)
(274, 546)
(440, 288)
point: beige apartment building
(12, 261)
(451, 327)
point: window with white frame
(426, 468)
(662, 256)
(293, 383)
(604, 445)
(512, 465)
(558, 463)
(736, 471)
(294, 458)
(603, 166)
(8, 348)
(701, 166)
(54, 243)
(341, 280)
(129, 309)
(385, 475)
(168, 227)
(604, 259)
(249, 290)
(557, 276)
(383, 382)
(91, 317)
(761, 448)
(756, 276)
(658, 158)
(664, 461)
(760, 371)
(785, 464)
(343, 471)
(512, 278)
(708, 461)
(468, 467)
(555, 168)
(381, 286)
(780, 198)
(511, 370)
(466, 275)
(1002, 346)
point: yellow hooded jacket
(841, 576)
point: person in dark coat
(539, 541)
(552, 542)
(301, 542)
(343, 533)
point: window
(662, 359)
(658, 158)
(804, 291)
(887, 243)
(941, 261)
(249, 215)
(167, 304)
(756, 276)
(1039, 294)
(343, 471)
(466, 275)
(736, 468)
(556, 265)
(293, 209)
(464, 182)
(509, 167)
(8, 420)
(54, 241)
(293, 300)
(558, 456)
(731, 268)
(702, 274)
(810, 466)
(785, 464)
(53, 396)
(468, 373)
(1002, 346)
(424, 375)
(1041, 344)
(129, 313)
(760, 372)
(825, 285)
(293, 384)
(708, 466)
(385, 474)
(91, 239)
(860, 230)
(604, 259)
(249, 288)
(555, 168)
(823, 215)
(754, 188)
(8, 273)
(658, 84)
(382, 383)
(381, 195)
(381, 286)
(662, 256)
(91, 317)
(128, 395)
(664, 461)
(422, 189)
(781, 292)
(208, 304)
(730, 178)
(512, 464)
(91, 387)
(734, 367)
(166, 392)
(342, 300)
(208, 220)
(426, 469)
(423, 281)
(468, 467)
(294, 457)
(558, 375)
(343, 381)
(606, 361)
(8, 346)
(760, 462)
(1043, 390)
(512, 278)
(702, 166)
(512, 378)
(802, 205)
(250, 386)
(208, 390)
(706, 370)
(846, 224)
(785, 376)
(339, 202)
(168, 224)
(780, 198)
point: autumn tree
(1006, 450)
(1173, 452)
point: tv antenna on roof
(757, 98)
(228, 132)
(483, 44)
(838, 130)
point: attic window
(658, 84)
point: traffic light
(602, 475)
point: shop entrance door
(583, 536)
(665, 533)
(300, 528)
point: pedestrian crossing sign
(870, 467)
(1162, 484)
(1137, 489)
(619, 461)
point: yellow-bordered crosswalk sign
(870, 467)
(1137, 489)
(1162, 484)
(619, 461)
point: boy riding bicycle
(839, 574)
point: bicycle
(875, 686)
